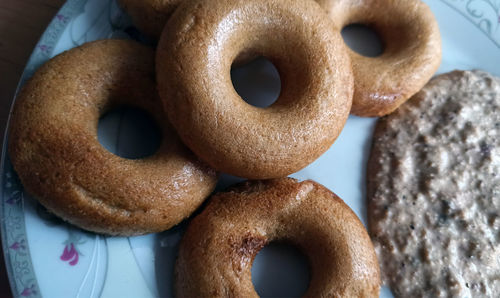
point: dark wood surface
(22, 22)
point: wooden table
(21, 24)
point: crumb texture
(434, 189)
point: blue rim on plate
(17, 255)
(22, 278)
(484, 14)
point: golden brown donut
(54, 148)
(412, 51)
(150, 15)
(194, 58)
(219, 246)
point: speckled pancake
(434, 189)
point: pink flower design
(17, 245)
(44, 48)
(14, 198)
(61, 17)
(28, 291)
(70, 254)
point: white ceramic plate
(46, 257)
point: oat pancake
(434, 190)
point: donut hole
(363, 40)
(280, 270)
(257, 82)
(129, 132)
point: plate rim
(42, 50)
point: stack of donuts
(207, 128)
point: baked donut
(54, 148)
(412, 51)
(150, 15)
(220, 244)
(194, 58)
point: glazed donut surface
(194, 58)
(219, 246)
(412, 51)
(54, 148)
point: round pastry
(54, 148)
(194, 58)
(412, 51)
(150, 15)
(219, 246)
(433, 189)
